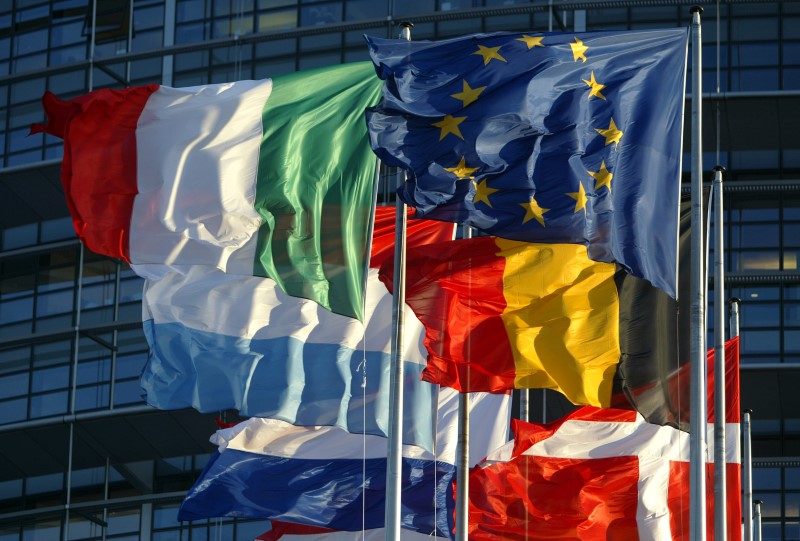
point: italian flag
(271, 178)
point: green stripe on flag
(316, 177)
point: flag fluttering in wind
(502, 314)
(554, 138)
(599, 474)
(326, 477)
(271, 178)
(220, 341)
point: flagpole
(699, 420)
(720, 409)
(757, 519)
(395, 433)
(747, 464)
(462, 464)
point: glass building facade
(83, 458)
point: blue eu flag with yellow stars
(542, 137)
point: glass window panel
(148, 17)
(321, 42)
(58, 229)
(274, 48)
(311, 61)
(191, 10)
(751, 260)
(88, 477)
(30, 42)
(283, 19)
(41, 531)
(791, 341)
(756, 236)
(19, 140)
(94, 371)
(13, 360)
(761, 293)
(128, 392)
(791, 314)
(41, 484)
(273, 68)
(49, 404)
(15, 310)
(90, 398)
(754, 54)
(171, 535)
(266, 4)
(17, 237)
(756, 210)
(792, 478)
(123, 521)
(28, 63)
(14, 385)
(50, 304)
(166, 516)
(459, 27)
(320, 14)
(16, 286)
(68, 55)
(147, 41)
(359, 10)
(191, 33)
(131, 290)
(791, 504)
(790, 258)
(766, 478)
(757, 29)
(12, 411)
(12, 489)
(67, 34)
(753, 80)
(771, 532)
(50, 378)
(130, 366)
(97, 295)
(761, 342)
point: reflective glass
(42, 531)
(756, 236)
(49, 404)
(93, 397)
(319, 14)
(760, 342)
(283, 19)
(47, 354)
(17, 237)
(123, 521)
(766, 478)
(16, 310)
(39, 484)
(191, 10)
(792, 478)
(128, 392)
(14, 385)
(359, 10)
(791, 504)
(57, 229)
(59, 302)
(50, 378)
(751, 260)
(791, 339)
(12, 411)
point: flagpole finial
(696, 9)
(734, 300)
(406, 24)
(719, 168)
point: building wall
(76, 434)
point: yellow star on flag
(602, 177)
(612, 134)
(449, 124)
(578, 50)
(579, 197)
(489, 53)
(533, 210)
(461, 170)
(595, 87)
(532, 41)
(482, 192)
(468, 95)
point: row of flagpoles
(698, 444)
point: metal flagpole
(747, 478)
(747, 460)
(395, 433)
(720, 410)
(757, 520)
(462, 465)
(697, 435)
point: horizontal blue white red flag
(326, 477)
(221, 341)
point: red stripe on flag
(555, 498)
(459, 326)
(98, 171)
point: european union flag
(550, 138)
